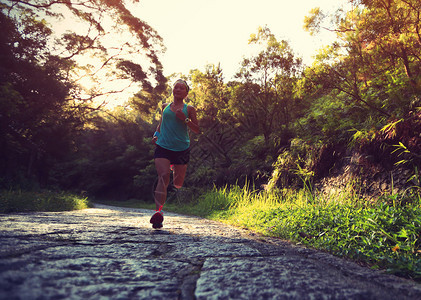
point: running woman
(172, 145)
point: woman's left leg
(162, 166)
(179, 175)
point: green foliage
(214, 201)
(396, 145)
(26, 201)
(374, 60)
(90, 39)
(201, 176)
(361, 136)
(143, 182)
(313, 21)
(251, 161)
(36, 118)
(113, 159)
(329, 119)
(294, 166)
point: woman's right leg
(162, 166)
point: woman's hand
(154, 139)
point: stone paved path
(112, 253)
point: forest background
(352, 117)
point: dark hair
(183, 82)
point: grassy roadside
(384, 234)
(25, 201)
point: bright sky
(201, 32)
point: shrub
(26, 201)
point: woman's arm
(158, 128)
(192, 115)
(193, 124)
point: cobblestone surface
(113, 253)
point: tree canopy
(278, 122)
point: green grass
(383, 234)
(26, 201)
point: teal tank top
(173, 132)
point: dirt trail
(112, 253)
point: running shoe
(157, 219)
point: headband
(183, 82)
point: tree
(112, 158)
(265, 99)
(132, 53)
(377, 59)
(35, 118)
(392, 30)
(211, 97)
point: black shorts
(175, 157)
